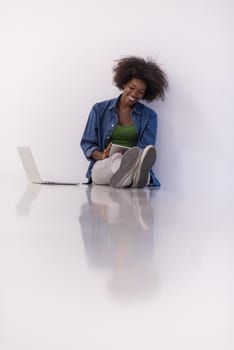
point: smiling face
(133, 91)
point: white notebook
(118, 148)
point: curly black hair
(133, 67)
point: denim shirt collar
(115, 101)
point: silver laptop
(32, 171)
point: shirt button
(112, 125)
(108, 137)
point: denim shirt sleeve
(90, 140)
(148, 130)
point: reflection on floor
(92, 267)
(118, 231)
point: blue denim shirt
(101, 122)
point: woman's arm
(149, 132)
(89, 141)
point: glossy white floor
(94, 268)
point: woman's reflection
(118, 232)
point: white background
(56, 62)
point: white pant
(104, 169)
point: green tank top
(124, 135)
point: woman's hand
(107, 151)
(97, 155)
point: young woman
(128, 122)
